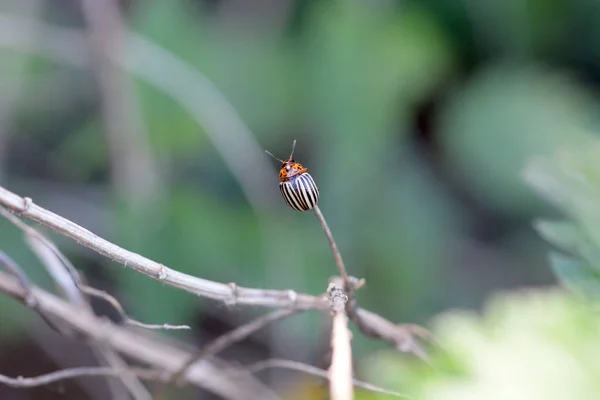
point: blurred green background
(416, 119)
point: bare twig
(222, 342)
(402, 336)
(166, 327)
(101, 294)
(229, 293)
(72, 283)
(126, 384)
(339, 262)
(54, 264)
(340, 371)
(57, 265)
(105, 356)
(14, 269)
(369, 323)
(152, 351)
(73, 373)
(154, 375)
(309, 369)
(68, 279)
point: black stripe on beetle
(300, 192)
(296, 185)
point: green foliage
(502, 117)
(571, 181)
(534, 344)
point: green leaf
(576, 274)
(562, 234)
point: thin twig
(54, 265)
(165, 327)
(232, 294)
(34, 237)
(105, 354)
(402, 336)
(369, 323)
(49, 255)
(126, 384)
(309, 369)
(222, 342)
(66, 276)
(14, 269)
(340, 371)
(240, 333)
(101, 294)
(59, 271)
(152, 351)
(69, 280)
(339, 262)
(73, 373)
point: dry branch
(59, 269)
(402, 336)
(151, 351)
(222, 342)
(240, 333)
(198, 286)
(311, 370)
(15, 270)
(67, 276)
(72, 373)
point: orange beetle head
(289, 167)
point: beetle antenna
(269, 153)
(293, 148)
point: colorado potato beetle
(297, 187)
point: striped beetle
(297, 187)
